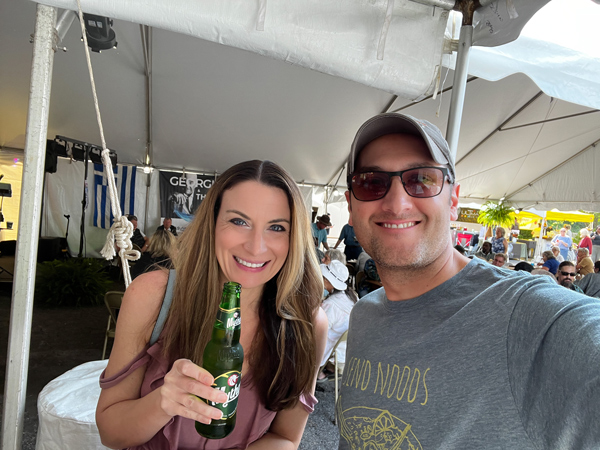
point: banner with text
(181, 194)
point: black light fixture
(100, 35)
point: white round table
(67, 408)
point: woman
(499, 243)
(252, 228)
(337, 306)
(550, 263)
(158, 255)
(556, 252)
(586, 241)
(563, 242)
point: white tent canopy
(174, 100)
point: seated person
(499, 260)
(566, 276)
(585, 265)
(590, 284)
(138, 238)
(550, 263)
(556, 251)
(160, 248)
(370, 271)
(334, 255)
(337, 306)
(360, 262)
(168, 225)
(485, 252)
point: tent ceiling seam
(515, 114)
(591, 146)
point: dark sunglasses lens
(424, 182)
(567, 274)
(370, 185)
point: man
(499, 260)
(168, 225)
(566, 274)
(585, 265)
(138, 238)
(590, 284)
(452, 353)
(351, 246)
(319, 231)
(595, 245)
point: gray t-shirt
(590, 284)
(490, 359)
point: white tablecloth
(67, 408)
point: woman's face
(563, 232)
(498, 233)
(555, 251)
(252, 234)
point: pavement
(63, 338)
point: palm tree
(496, 214)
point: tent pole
(459, 87)
(17, 361)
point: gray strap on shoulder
(164, 309)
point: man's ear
(349, 200)
(454, 201)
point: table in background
(67, 410)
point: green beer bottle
(223, 358)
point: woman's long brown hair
(283, 356)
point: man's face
(321, 226)
(134, 222)
(498, 261)
(167, 223)
(400, 231)
(567, 272)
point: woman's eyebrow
(245, 216)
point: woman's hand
(184, 383)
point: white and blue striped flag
(125, 181)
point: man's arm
(337, 243)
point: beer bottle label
(230, 319)
(228, 382)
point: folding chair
(333, 354)
(112, 300)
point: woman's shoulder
(143, 298)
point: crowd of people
(445, 351)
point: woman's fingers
(184, 383)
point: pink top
(253, 419)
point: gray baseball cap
(390, 123)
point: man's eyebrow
(245, 216)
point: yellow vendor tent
(529, 219)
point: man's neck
(407, 284)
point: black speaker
(8, 248)
(49, 249)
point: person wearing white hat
(337, 306)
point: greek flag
(125, 181)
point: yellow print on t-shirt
(389, 380)
(375, 429)
(367, 428)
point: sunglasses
(422, 182)
(567, 274)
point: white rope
(121, 229)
